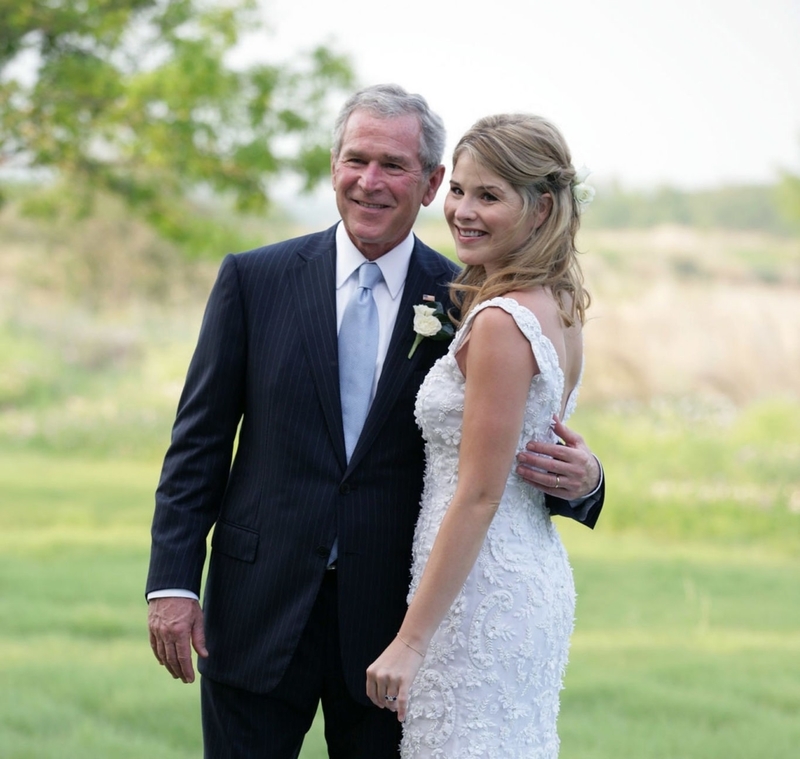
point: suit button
(322, 551)
(344, 488)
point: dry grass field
(676, 312)
(680, 312)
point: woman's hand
(390, 676)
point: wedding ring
(390, 698)
(558, 480)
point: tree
(137, 97)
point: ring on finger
(558, 482)
(390, 698)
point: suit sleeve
(197, 464)
(584, 510)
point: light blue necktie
(358, 354)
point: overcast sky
(694, 93)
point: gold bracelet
(408, 645)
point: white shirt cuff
(172, 593)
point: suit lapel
(315, 294)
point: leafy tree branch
(138, 98)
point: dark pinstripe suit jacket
(267, 355)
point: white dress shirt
(387, 293)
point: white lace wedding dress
(489, 686)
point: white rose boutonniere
(432, 323)
(581, 191)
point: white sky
(694, 93)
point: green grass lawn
(683, 649)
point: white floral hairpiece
(581, 191)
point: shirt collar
(393, 265)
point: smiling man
(313, 522)
(379, 180)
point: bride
(478, 663)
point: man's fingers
(578, 473)
(184, 658)
(154, 644)
(540, 462)
(176, 626)
(199, 640)
(160, 647)
(569, 437)
(171, 660)
(179, 661)
(568, 471)
(552, 476)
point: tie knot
(369, 275)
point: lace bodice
(490, 681)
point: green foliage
(745, 207)
(137, 98)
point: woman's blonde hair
(531, 155)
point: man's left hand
(567, 471)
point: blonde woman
(478, 662)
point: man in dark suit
(310, 552)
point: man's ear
(434, 182)
(543, 207)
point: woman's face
(483, 212)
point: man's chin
(369, 234)
(373, 245)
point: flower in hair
(581, 191)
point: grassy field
(687, 639)
(687, 643)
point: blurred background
(142, 140)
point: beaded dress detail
(489, 686)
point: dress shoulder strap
(525, 318)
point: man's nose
(371, 176)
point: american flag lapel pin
(429, 298)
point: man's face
(379, 181)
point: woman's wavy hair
(530, 154)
